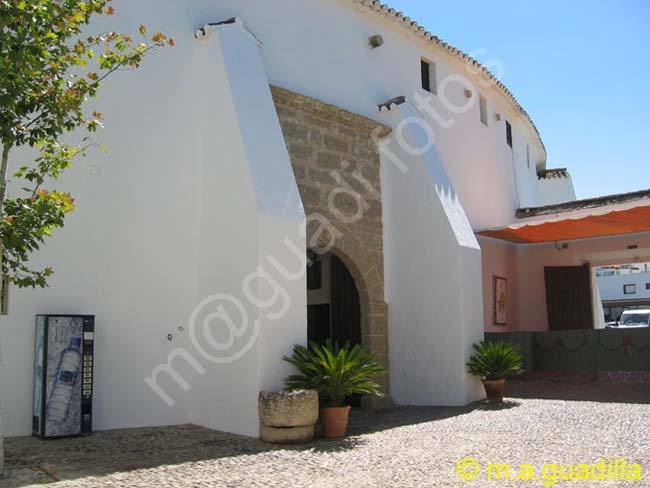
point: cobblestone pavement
(400, 447)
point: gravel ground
(541, 422)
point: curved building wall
(320, 49)
(181, 206)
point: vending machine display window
(63, 375)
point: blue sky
(580, 68)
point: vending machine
(63, 375)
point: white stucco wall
(188, 201)
(179, 210)
(499, 259)
(433, 275)
(128, 253)
(555, 190)
(319, 48)
(242, 238)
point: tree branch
(4, 169)
(95, 84)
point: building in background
(625, 287)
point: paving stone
(541, 422)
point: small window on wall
(647, 286)
(528, 156)
(482, 105)
(629, 289)
(508, 134)
(429, 82)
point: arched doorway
(333, 304)
(358, 243)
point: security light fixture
(376, 41)
(203, 31)
(393, 102)
(497, 116)
(468, 93)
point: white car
(634, 319)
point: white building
(624, 288)
(338, 126)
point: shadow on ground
(607, 388)
(368, 422)
(32, 461)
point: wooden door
(318, 323)
(346, 310)
(568, 297)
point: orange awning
(614, 223)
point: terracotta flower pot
(494, 390)
(334, 421)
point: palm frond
(495, 360)
(335, 371)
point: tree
(49, 71)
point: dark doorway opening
(333, 307)
(333, 310)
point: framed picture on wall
(500, 301)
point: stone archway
(373, 309)
(336, 164)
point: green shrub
(335, 372)
(495, 360)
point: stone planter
(288, 417)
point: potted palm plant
(336, 372)
(493, 362)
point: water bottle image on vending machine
(58, 405)
(63, 375)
